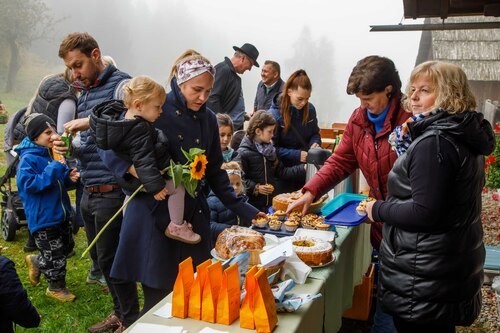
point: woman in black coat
(144, 253)
(432, 251)
(15, 306)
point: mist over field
(323, 37)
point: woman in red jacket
(375, 81)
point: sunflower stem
(114, 217)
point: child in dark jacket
(258, 159)
(42, 182)
(127, 128)
(15, 306)
(222, 217)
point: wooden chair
(327, 138)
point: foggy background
(324, 37)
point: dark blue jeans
(97, 209)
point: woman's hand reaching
(306, 199)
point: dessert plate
(327, 263)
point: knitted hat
(36, 123)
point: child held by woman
(257, 156)
(127, 128)
(42, 182)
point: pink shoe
(182, 233)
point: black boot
(30, 245)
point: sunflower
(198, 166)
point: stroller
(13, 215)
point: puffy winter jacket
(15, 306)
(361, 148)
(260, 170)
(42, 182)
(134, 139)
(93, 171)
(432, 252)
(53, 90)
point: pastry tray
(282, 232)
(342, 210)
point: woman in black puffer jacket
(432, 252)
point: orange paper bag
(264, 312)
(247, 306)
(228, 302)
(182, 289)
(211, 292)
(194, 310)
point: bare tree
(21, 23)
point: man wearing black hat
(227, 95)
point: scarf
(378, 120)
(266, 149)
(227, 154)
(400, 139)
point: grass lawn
(92, 304)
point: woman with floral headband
(144, 253)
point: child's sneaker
(182, 233)
(63, 294)
(33, 270)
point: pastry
(275, 224)
(281, 202)
(312, 251)
(261, 222)
(361, 208)
(281, 214)
(291, 225)
(235, 240)
(322, 226)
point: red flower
(490, 160)
(497, 127)
(495, 196)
